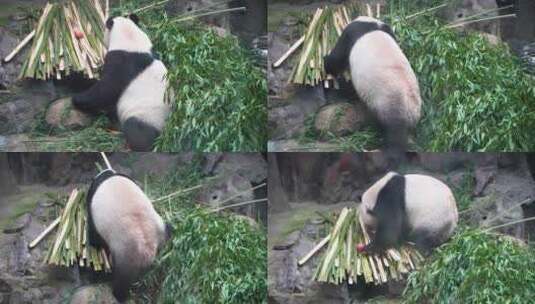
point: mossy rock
(62, 114)
(340, 119)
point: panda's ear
(134, 18)
(109, 23)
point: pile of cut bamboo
(71, 245)
(68, 38)
(321, 35)
(342, 262)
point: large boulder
(339, 119)
(62, 114)
(96, 293)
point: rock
(288, 119)
(97, 293)
(62, 114)
(219, 31)
(9, 72)
(18, 115)
(290, 240)
(288, 283)
(251, 166)
(227, 190)
(20, 223)
(339, 119)
(182, 7)
(14, 143)
(278, 77)
(460, 9)
(500, 201)
(292, 145)
(492, 39)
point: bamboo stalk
(314, 250)
(426, 11)
(527, 219)
(455, 25)
(292, 49)
(241, 193)
(106, 160)
(239, 204)
(236, 9)
(19, 47)
(42, 235)
(484, 13)
(168, 196)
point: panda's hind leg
(125, 272)
(140, 136)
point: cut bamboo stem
(426, 11)
(484, 13)
(314, 250)
(527, 219)
(41, 236)
(290, 51)
(242, 192)
(230, 10)
(455, 25)
(19, 47)
(106, 160)
(168, 196)
(240, 204)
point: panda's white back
(430, 204)
(124, 215)
(383, 77)
(144, 97)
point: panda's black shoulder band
(99, 179)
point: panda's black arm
(338, 59)
(103, 95)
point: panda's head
(124, 34)
(368, 20)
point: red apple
(78, 34)
(361, 248)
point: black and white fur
(413, 207)
(132, 84)
(123, 221)
(381, 75)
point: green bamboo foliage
(70, 246)
(321, 35)
(341, 262)
(56, 51)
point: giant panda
(122, 220)
(132, 84)
(381, 75)
(412, 207)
